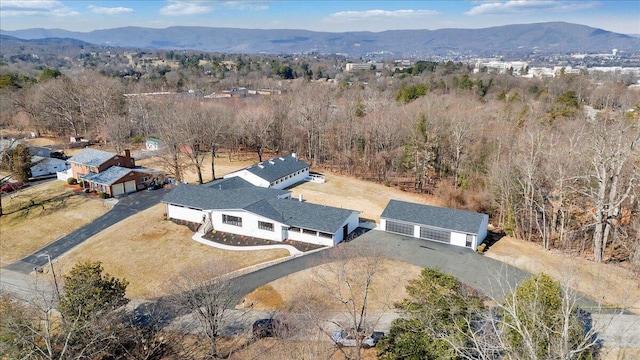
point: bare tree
(207, 294)
(612, 153)
(347, 279)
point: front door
(285, 233)
(345, 232)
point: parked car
(268, 328)
(348, 338)
(10, 186)
(154, 186)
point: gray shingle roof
(459, 220)
(310, 216)
(230, 183)
(91, 157)
(263, 202)
(109, 176)
(277, 168)
(213, 198)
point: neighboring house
(96, 161)
(455, 227)
(42, 166)
(277, 173)
(235, 206)
(153, 144)
(111, 173)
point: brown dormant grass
(613, 285)
(150, 252)
(49, 211)
(388, 287)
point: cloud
(34, 8)
(109, 11)
(198, 7)
(368, 14)
(498, 7)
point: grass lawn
(38, 215)
(388, 287)
(150, 252)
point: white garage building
(235, 206)
(455, 227)
(277, 173)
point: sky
(621, 16)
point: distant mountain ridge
(552, 37)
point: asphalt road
(126, 206)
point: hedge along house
(455, 227)
(277, 173)
(235, 206)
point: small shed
(456, 227)
(153, 144)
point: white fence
(64, 175)
(316, 178)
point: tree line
(553, 161)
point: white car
(348, 339)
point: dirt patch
(388, 287)
(38, 215)
(611, 284)
(150, 252)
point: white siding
(249, 177)
(458, 239)
(183, 213)
(249, 225)
(352, 221)
(292, 180)
(383, 224)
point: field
(150, 252)
(38, 215)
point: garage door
(399, 228)
(130, 186)
(117, 189)
(435, 234)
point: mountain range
(538, 38)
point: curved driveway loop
(126, 206)
(488, 276)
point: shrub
(72, 181)
(102, 195)
(387, 183)
(482, 247)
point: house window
(231, 220)
(325, 235)
(265, 226)
(309, 232)
(294, 229)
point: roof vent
(260, 166)
(271, 162)
(281, 158)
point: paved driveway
(126, 206)
(489, 276)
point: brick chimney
(128, 160)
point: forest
(553, 161)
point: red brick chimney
(129, 161)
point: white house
(455, 227)
(42, 166)
(277, 173)
(235, 206)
